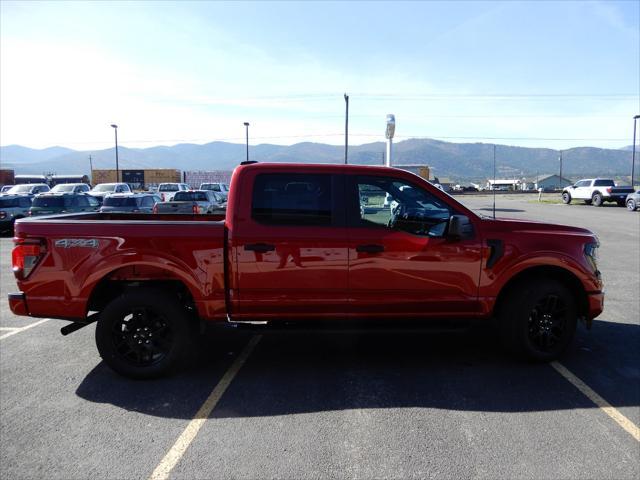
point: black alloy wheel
(538, 318)
(142, 337)
(547, 322)
(144, 333)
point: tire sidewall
(566, 198)
(515, 319)
(597, 199)
(631, 205)
(159, 302)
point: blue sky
(549, 74)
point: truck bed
(81, 250)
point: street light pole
(246, 128)
(633, 149)
(115, 129)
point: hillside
(460, 161)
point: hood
(528, 226)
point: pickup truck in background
(596, 191)
(168, 190)
(217, 187)
(296, 248)
(192, 201)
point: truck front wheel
(566, 198)
(143, 334)
(538, 319)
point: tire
(144, 334)
(631, 205)
(537, 319)
(597, 199)
(566, 198)
(587, 202)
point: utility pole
(115, 128)
(91, 168)
(346, 128)
(560, 158)
(633, 149)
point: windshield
(121, 202)
(104, 187)
(169, 187)
(63, 188)
(21, 189)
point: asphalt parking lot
(338, 405)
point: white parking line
(21, 329)
(176, 452)
(605, 406)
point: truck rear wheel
(596, 199)
(566, 198)
(143, 334)
(538, 319)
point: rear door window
(292, 199)
(604, 183)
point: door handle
(259, 247)
(370, 248)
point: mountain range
(458, 161)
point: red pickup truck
(303, 243)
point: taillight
(3, 214)
(25, 256)
(196, 209)
(609, 190)
(155, 208)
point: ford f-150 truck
(596, 191)
(296, 246)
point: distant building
(196, 178)
(137, 179)
(504, 184)
(547, 182)
(419, 169)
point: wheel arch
(541, 273)
(119, 280)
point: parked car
(219, 188)
(28, 189)
(294, 249)
(101, 190)
(168, 190)
(193, 201)
(633, 201)
(12, 208)
(71, 188)
(596, 191)
(130, 203)
(54, 203)
(6, 188)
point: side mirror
(459, 227)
